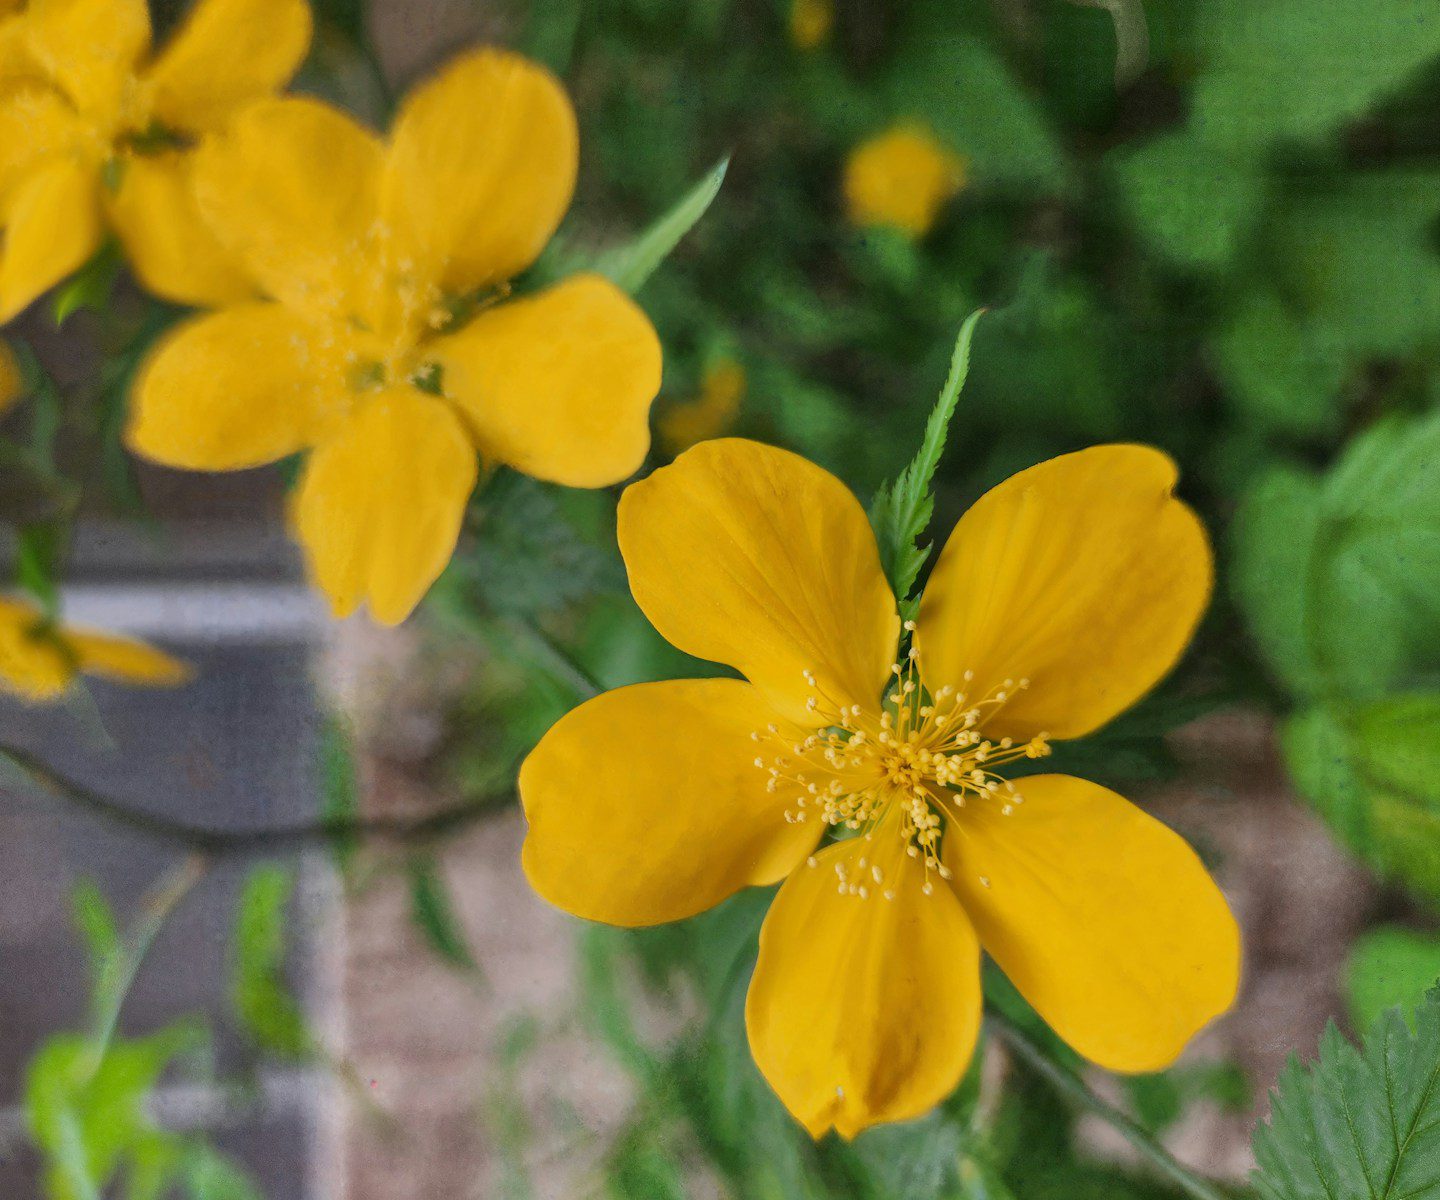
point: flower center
(907, 768)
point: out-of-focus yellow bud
(810, 22)
(710, 414)
(901, 178)
(12, 386)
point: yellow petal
(33, 666)
(709, 414)
(558, 385)
(124, 660)
(901, 178)
(36, 124)
(52, 226)
(645, 804)
(90, 48)
(1103, 918)
(481, 168)
(173, 252)
(12, 383)
(379, 506)
(1083, 575)
(228, 53)
(863, 1010)
(233, 389)
(751, 556)
(290, 189)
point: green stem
(118, 973)
(232, 843)
(1070, 1085)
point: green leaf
(259, 997)
(95, 920)
(435, 917)
(88, 1119)
(1339, 575)
(90, 287)
(339, 786)
(901, 510)
(1298, 69)
(630, 266)
(1360, 1121)
(1281, 369)
(1390, 967)
(969, 96)
(1373, 772)
(209, 1175)
(1191, 204)
(1361, 260)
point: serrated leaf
(434, 916)
(1298, 69)
(259, 996)
(1390, 967)
(1360, 1122)
(901, 510)
(630, 266)
(1337, 574)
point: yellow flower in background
(388, 348)
(12, 383)
(710, 414)
(901, 178)
(811, 22)
(95, 135)
(40, 662)
(1062, 596)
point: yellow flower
(388, 349)
(710, 414)
(1062, 596)
(810, 22)
(92, 135)
(901, 178)
(39, 662)
(12, 384)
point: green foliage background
(1232, 254)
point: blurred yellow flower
(388, 348)
(811, 22)
(12, 384)
(40, 662)
(901, 178)
(1062, 596)
(709, 414)
(95, 135)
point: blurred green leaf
(31, 491)
(1281, 370)
(209, 1175)
(89, 1119)
(90, 287)
(901, 511)
(1337, 574)
(339, 785)
(95, 920)
(1373, 772)
(1361, 1122)
(1192, 205)
(630, 266)
(1273, 69)
(434, 915)
(962, 89)
(259, 996)
(1360, 256)
(1390, 967)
